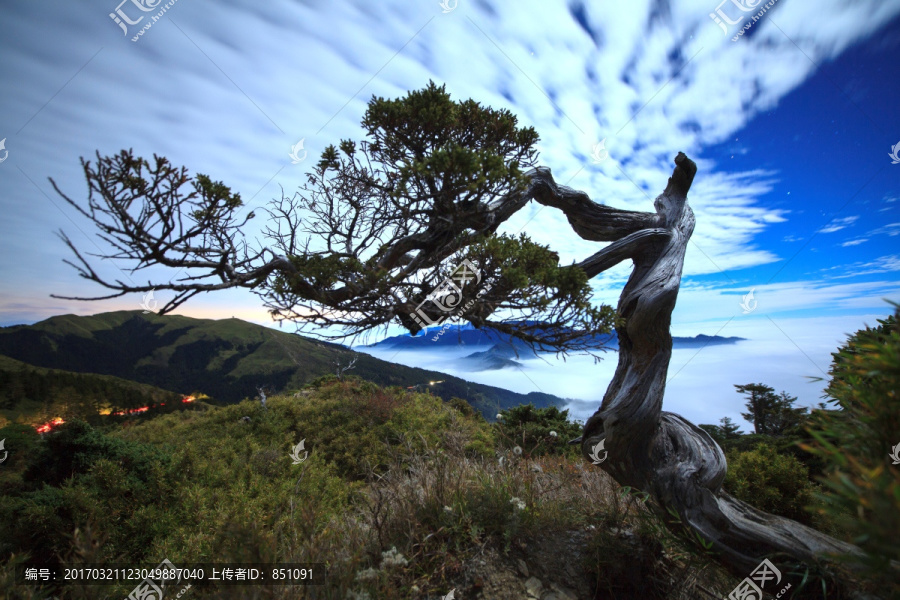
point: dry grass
(442, 507)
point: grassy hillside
(226, 359)
(401, 495)
(30, 394)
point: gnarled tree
(377, 235)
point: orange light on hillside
(106, 411)
(132, 411)
(49, 425)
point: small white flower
(448, 509)
(553, 434)
(517, 503)
(369, 574)
(392, 558)
(499, 416)
(517, 451)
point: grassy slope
(18, 404)
(204, 486)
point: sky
(791, 124)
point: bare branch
(345, 251)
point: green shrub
(73, 448)
(785, 445)
(772, 482)
(20, 441)
(77, 476)
(464, 407)
(533, 429)
(862, 485)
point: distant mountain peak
(466, 335)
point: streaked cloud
(838, 224)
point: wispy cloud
(891, 230)
(708, 302)
(838, 224)
(883, 264)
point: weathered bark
(661, 453)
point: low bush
(772, 482)
(538, 431)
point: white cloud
(882, 264)
(891, 230)
(702, 303)
(838, 224)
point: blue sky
(791, 126)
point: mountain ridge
(495, 351)
(467, 335)
(226, 359)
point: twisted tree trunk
(661, 453)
